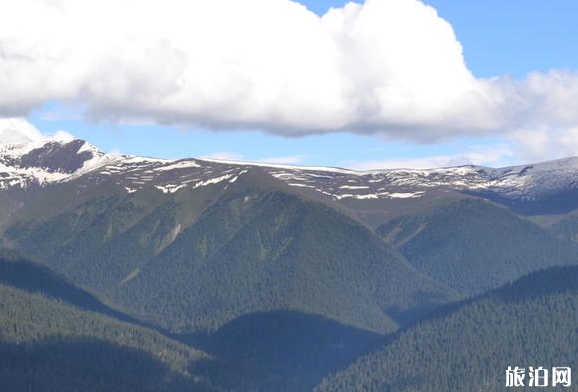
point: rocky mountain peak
(61, 157)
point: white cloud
(532, 145)
(62, 136)
(18, 130)
(391, 67)
(233, 156)
(387, 67)
(287, 160)
(496, 155)
(116, 153)
(224, 155)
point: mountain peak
(46, 161)
(62, 157)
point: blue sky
(515, 36)
(499, 38)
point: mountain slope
(282, 350)
(266, 267)
(531, 322)
(473, 246)
(199, 258)
(566, 228)
(38, 164)
(35, 278)
(48, 345)
(262, 251)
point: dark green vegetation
(566, 228)
(194, 269)
(256, 251)
(241, 272)
(473, 245)
(49, 345)
(278, 289)
(468, 347)
(35, 278)
(280, 351)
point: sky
(367, 85)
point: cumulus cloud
(62, 136)
(18, 130)
(388, 67)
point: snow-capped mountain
(42, 164)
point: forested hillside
(473, 246)
(50, 346)
(282, 350)
(468, 347)
(189, 264)
(32, 277)
(566, 228)
(258, 251)
(195, 275)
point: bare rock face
(59, 157)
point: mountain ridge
(544, 186)
(228, 252)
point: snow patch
(353, 187)
(178, 165)
(405, 195)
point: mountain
(468, 347)
(47, 343)
(282, 274)
(473, 245)
(38, 164)
(226, 239)
(18, 272)
(234, 246)
(281, 350)
(188, 265)
(543, 188)
(566, 228)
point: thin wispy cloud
(495, 155)
(223, 155)
(233, 156)
(287, 160)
